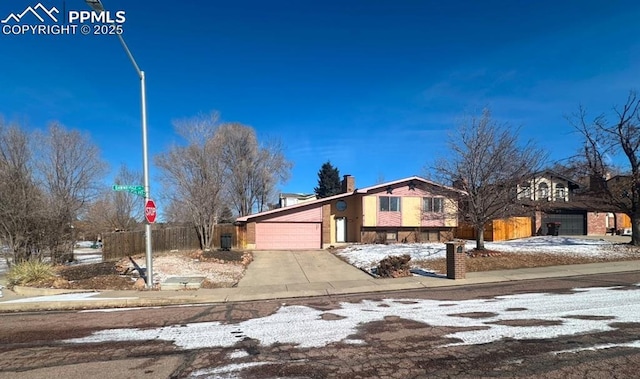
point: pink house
(406, 210)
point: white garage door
(288, 235)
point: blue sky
(374, 86)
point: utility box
(225, 242)
(456, 255)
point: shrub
(29, 272)
(394, 266)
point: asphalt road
(528, 329)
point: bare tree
(238, 154)
(21, 202)
(488, 162)
(222, 165)
(69, 167)
(272, 168)
(127, 207)
(192, 176)
(603, 142)
(252, 170)
(116, 210)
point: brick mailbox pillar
(456, 267)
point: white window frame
(561, 191)
(543, 190)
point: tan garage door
(288, 235)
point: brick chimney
(348, 184)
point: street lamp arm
(131, 58)
(97, 6)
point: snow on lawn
(367, 257)
(85, 255)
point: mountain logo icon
(39, 11)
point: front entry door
(341, 229)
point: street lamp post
(97, 6)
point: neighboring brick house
(555, 198)
(406, 210)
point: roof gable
(413, 180)
(553, 174)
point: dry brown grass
(507, 261)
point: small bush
(394, 266)
(29, 272)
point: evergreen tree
(328, 181)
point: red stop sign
(150, 211)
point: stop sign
(150, 211)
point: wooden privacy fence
(499, 230)
(624, 221)
(122, 244)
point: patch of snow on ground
(83, 254)
(85, 243)
(305, 327)
(225, 372)
(238, 354)
(574, 246)
(3, 266)
(632, 344)
(86, 255)
(367, 257)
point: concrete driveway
(298, 267)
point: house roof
(556, 175)
(346, 194)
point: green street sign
(136, 190)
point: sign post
(150, 211)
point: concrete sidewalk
(281, 275)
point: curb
(96, 305)
(33, 291)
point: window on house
(433, 204)
(389, 204)
(543, 191)
(560, 192)
(391, 236)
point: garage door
(571, 224)
(288, 235)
